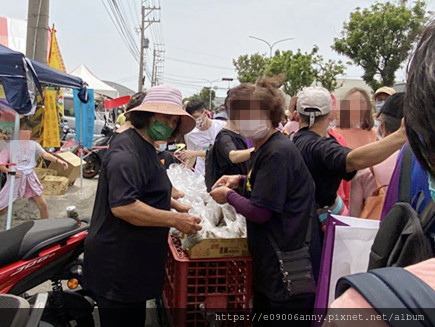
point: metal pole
(81, 148)
(209, 105)
(37, 30)
(271, 46)
(141, 62)
(13, 149)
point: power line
(121, 28)
(198, 64)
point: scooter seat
(17, 241)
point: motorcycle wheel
(92, 166)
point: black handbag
(295, 267)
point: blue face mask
(379, 105)
(431, 182)
(162, 147)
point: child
(27, 184)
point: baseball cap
(314, 101)
(385, 89)
(314, 97)
(393, 106)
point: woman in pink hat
(126, 248)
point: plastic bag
(217, 220)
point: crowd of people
(284, 173)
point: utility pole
(142, 36)
(146, 22)
(37, 30)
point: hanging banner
(55, 59)
(50, 132)
(85, 116)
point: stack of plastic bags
(217, 221)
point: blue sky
(207, 33)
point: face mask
(377, 124)
(253, 129)
(380, 137)
(162, 147)
(431, 183)
(331, 125)
(159, 131)
(200, 122)
(379, 105)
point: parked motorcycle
(23, 313)
(94, 157)
(42, 250)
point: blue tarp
(13, 68)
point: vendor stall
(21, 78)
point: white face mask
(376, 124)
(200, 122)
(253, 129)
(331, 125)
(379, 105)
(162, 147)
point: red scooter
(41, 250)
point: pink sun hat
(167, 100)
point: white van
(70, 119)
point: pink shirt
(292, 126)
(356, 137)
(364, 184)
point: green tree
(250, 67)
(380, 39)
(327, 72)
(203, 95)
(297, 67)
(300, 69)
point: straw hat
(165, 99)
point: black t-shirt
(225, 142)
(278, 180)
(124, 262)
(166, 158)
(326, 160)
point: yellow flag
(2, 92)
(55, 59)
(50, 133)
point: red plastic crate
(192, 285)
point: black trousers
(115, 314)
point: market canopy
(94, 82)
(21, 77)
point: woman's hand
(230, 181)
(220, 194)
(187, 155)
(187, 224)
(180, 207)
(176, 194)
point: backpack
(372, 208)
(210, 175)
(384, 290)
(404, 236)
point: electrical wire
(198, 64)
